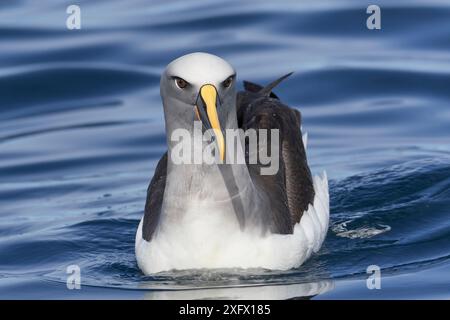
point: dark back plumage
(291, 190)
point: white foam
(205, 239)
(341, 230)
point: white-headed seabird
(200, 215)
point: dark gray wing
(155, 195)
(291, 190)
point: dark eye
(228, 82)
(181, 83)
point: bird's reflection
(262, 292)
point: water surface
(81, 130)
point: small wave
(46, 85)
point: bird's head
(199, 87)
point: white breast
(209, 238)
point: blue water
(81, 130)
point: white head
(200, 68)
(199, 86)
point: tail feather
(268, 89)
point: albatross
(228, 214)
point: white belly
(207, 236)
